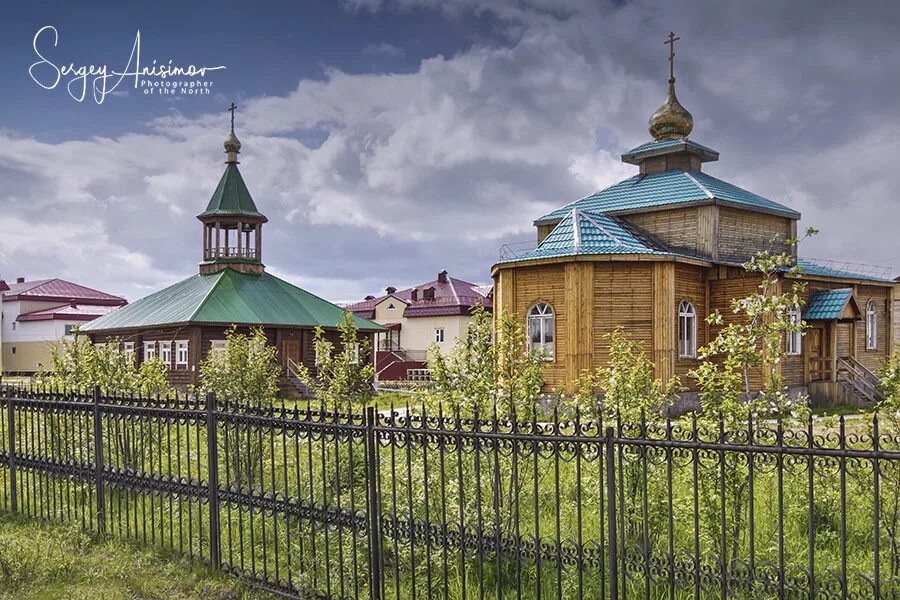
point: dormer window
(428, 294)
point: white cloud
(439, 166)
(383, 49)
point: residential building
(431, 314)
(36, 315)
(184, 322)
(658, 252)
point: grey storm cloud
(436, 168)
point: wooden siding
(521, 288)
(690, 284)
(622, 298)
(721, 293)
(677, 227)
(742, 233)
(873, 359)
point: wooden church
(182, 323)
(658, 252)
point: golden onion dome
(232, 144)
(671, 121)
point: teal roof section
(636, 155)
(229, 297)
(811, 267)
(232, 198)
(827, 305)
(581, 233)
(669, 188)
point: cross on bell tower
(232, 225)
(670, 41)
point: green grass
(38, 560)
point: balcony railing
(230, 252)
(516, 249)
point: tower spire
(232, 144)
(671, 121)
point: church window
(871, 326)
(687, 330)
(149, 350)
(181, 352)
(165, 353)
(794, 338)
(540, 329)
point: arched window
(871, 326)
(540, 329)
(687, 330)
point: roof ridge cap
(702, 187)
(603, 229)
(219, 276)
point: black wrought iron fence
(309, 503)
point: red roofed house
(36, 315)
(430, 314)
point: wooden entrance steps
(859, 381)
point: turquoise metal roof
(827, 305)
(669, 188)
(809, 267)
(228, 297)
(581, 232)
(232, 198)
(667, 146)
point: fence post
(98, 463)
(11, 438)
(611, 506)
(212, 455)
(373, 509)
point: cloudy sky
(388, 139)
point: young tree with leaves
(245, 372)
(343, 377)
(753, 341)
(245, 375)
(483, 370)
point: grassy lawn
(53, 561)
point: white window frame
(871, 325)
(795, 338)
(687, 329)
(217, 345)
(438, 335)
(182, 354)
(150, 351)
(354, 354)
(165, 353)
(128, 349)
(542, 317)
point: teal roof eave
(812, 269)
(658, 148)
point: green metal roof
(229, 297)
(231, 198)
(827, 305)
(669, 188)
(581, 232)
